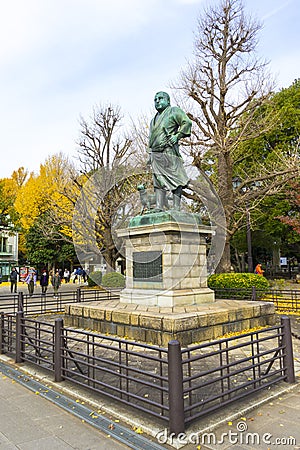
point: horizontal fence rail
(175, 385)
(48, 303)
(37, 342)
(229, 369)
(7, 333)
(132, 373)
(284, 300)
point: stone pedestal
(166, 295)
(166, 260)
(159, 325)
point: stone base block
(168, 299)
(159, 325)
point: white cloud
(59, 58)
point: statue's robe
(166, 161)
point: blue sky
(59, 58)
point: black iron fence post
(20, 301)
(288, 358)
(2, 333)
(175, 377)
(58, 344)
(20, 336)
(78, 295)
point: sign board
(147, 266)
(283, 261)
(24, 271)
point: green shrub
(238, 285)
(278, 283)
(95, 278)
(113, 280)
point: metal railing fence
(214, 376)
(284, 300)
(133, 373)
(48, 303)
(39, 337)
(176, 385)
(7, 333)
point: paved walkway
(30, 422)
(265, 425)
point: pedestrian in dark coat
(13, 280)
(56, 282)
(44, 281)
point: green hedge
(95, 278)
(237, 285)
(113, 280)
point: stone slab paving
(29, 422)
(272, 424)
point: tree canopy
(231, 103)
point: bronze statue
(169, 125)
(147, 199)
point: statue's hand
(173, 139)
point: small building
(8, 251)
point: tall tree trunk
(109, 252)
(226, 196)
(110, 260)
(225, 264)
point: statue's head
(161, 101)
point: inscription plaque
(147, 266)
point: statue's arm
(184, 125)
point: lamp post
(236, 182)
(249, 241)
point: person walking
(73, 277)
(258, 270)
(44, 281)
(56, 282)
(79, 273)
(61, 273)
(31, 283)
(84, 275)
(66, 276)
(13, 280)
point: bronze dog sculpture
(148, 200)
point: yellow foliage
(18, 177)
(30, 201)
(22, 243)
(45, 192)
